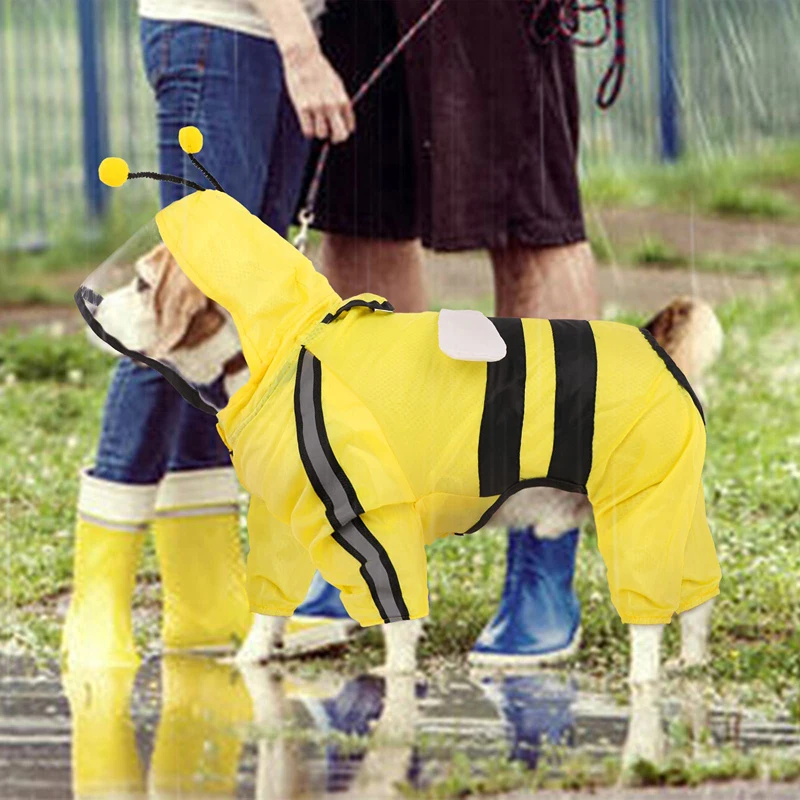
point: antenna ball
(191, 140)
(113, 171)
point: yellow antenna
(114, 171)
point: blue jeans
(231, 87)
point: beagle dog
(376, 469)
(166, 317)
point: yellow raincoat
(360, 441)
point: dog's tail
(689, 330)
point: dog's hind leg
(695, 630)
(645, 740)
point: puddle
(193, 727)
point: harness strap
(375, 305)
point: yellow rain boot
(204, 713)
(105, 762)
(108, 541)
(200, 560)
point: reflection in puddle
(193, 727)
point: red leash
(567, 24)
(565, 21)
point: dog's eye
(142, 285)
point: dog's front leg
(400, 639)
(264, 641)
(645, 738)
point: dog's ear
(202, 327)
(176, 301)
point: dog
(169, 318)
(382, 460)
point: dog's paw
(643, 747)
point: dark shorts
(470, 140)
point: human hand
(317, 94)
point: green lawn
(748, 185)
(51, 393)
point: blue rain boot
(322, 600)
(320, 622)
(538, 621)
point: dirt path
(690, 234)
(466, 278)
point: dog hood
(265, 283)
(248, 289)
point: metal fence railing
(737, 80)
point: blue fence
(72, 90)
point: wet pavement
(189, 727)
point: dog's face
(163, 315)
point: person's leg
(257, 152)
(115, 504)
(391, 269)
(198, 544)
(549, 282)
(538, 618)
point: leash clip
(305, 217)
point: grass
(561, 769)
(742, 186)
(653, 251)
(767, 261)
(746, 186)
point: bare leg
(550, 283)
(547, 282)
(391, 269)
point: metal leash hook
(305, 218)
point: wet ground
(189, 727)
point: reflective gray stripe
(338, 495)
(373, 566)
(342, 509)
